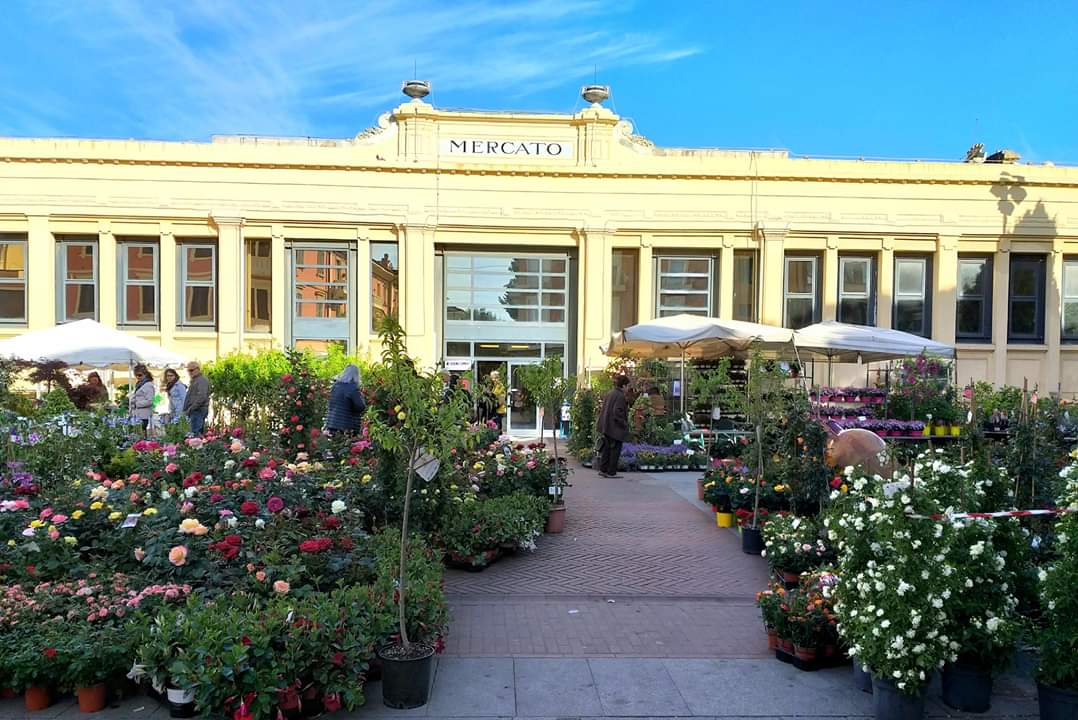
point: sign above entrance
(507, 148)
(458, 364)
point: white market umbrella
(842, 342)
(697, 337)
(87, 343)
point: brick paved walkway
(680, 586)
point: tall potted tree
(761, 405)
(420, 429)
(547, 384)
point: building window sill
(974, 345)
(1031, 347)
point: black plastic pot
(861, 679)
(406, 683)
(967, 687)
(892, 704)
(752, 541)
(180, 703)
(1056, 703)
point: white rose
(260, 523)
(337, 507)
(232, 521)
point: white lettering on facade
(508, 148)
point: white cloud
(189, 70)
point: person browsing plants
(613, 427)
(196, 406)
(346, 403)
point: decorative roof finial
(416, 89)
(595, 94)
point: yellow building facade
(499, 238)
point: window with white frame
(138, 283)
(1070, 299)
(857, 290)
(12, 279)
(76, 266)
(800, 291)
(684, 285)
(912, 310)
(198, 284)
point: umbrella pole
(830, 381)
(682, 383)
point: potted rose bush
(793, 545)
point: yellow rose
(149, 511)
(70, 540)
(97, 505)
(77, 514)
(76, 482)
(37, 523)
(401, 415)
(844, 487)
(365, 479)
(780, 488)
(11, 543)
(52, 528)
(115, 515)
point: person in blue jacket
(346, 403)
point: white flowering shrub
(1059, 598)
(982, 616)
(896, 583)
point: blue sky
(890, 79)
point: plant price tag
(131, 520)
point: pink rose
(275, 504)
(281, 587)
(171, 467)
(260, 576)
(46, 513)
(139, 554)
(57, 519)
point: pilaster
(169, 293)
(363, 288)
(417, 272)
(772, 251)
(1000, 292)
(945, 289)
(886, 274)
(830, 280)
(230, 283)
(108, 282)
(645, 282)
(40, 273)
(1053, 321)
(281, 298)
(595, 283)
(726, 279)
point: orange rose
(178, 555)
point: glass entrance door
(322, 306)
(523, 415)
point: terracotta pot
(555, 520)
(830, 650)
(92, 699)
(772, 640)
(700, 489)
(787, 646)
(806, 654)
(8, 693)
(791, 578)
(36, 698)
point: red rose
(338, 658)
(331, 702)
(275, 504)
(294, 418)
(345, 542)
(331, 523)
(287, 377)
(315, 545)
(245, 640)
(50, 652)
(233, 540)
(249, 507)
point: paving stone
(557, 687)
(746, 687)
(636, 687)
(473, 687)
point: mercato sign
(531, 148)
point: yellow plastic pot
(940, 430)
(956, 429)
(724, 519)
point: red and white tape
(991, 515)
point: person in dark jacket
(196, 404)
(346, 403)
(613, 427)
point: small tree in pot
(548, 385)
(421, 428)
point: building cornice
(543, 171)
